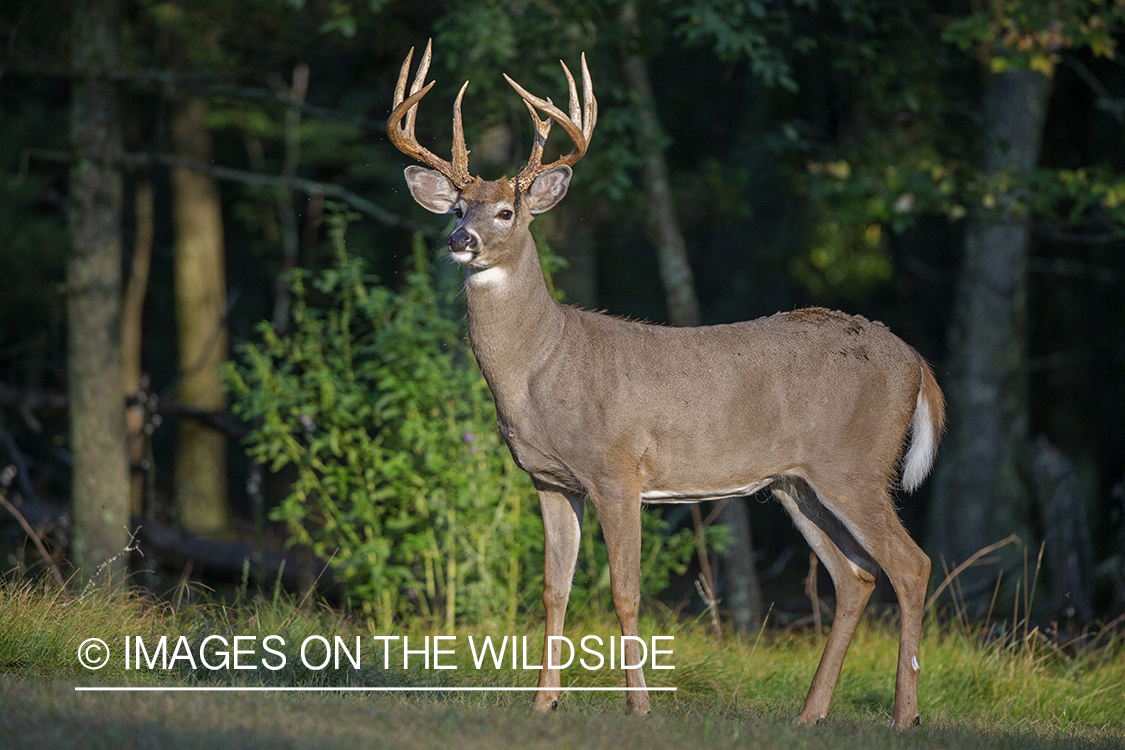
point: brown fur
(814, 403)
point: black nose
(460, 241)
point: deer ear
(431, 189)
(548, 189)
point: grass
(1018, 691)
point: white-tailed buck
(815, 404)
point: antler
(406, 112)
(579, 133)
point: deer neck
(514, 323)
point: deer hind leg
(853, 575)
(875, 525)
(620, 516)
(562, 530)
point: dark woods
(188, 184)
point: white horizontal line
(360, 689)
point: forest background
(176, 173)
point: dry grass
(1016, 691)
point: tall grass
(970, 678)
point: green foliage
(735, 28)
(376, 404)
(875, 189)
(1031, 34)
(849, 259)
(909, 141)
(401, 479)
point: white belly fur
(695, 496)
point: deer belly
(695, 495)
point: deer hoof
(543, 707)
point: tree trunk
(200, 284)
(131, 329)
(100, 490)
(744, 593)
(671, 251)
(1067, 546)
(290, 235)
(980, 494)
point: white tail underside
(923, 446)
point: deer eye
(457, 212)
(505, 214)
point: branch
(205, 85)
(32, 400)
(1103, 99)
(969, 563)
(36, 539)
(51, 401)
(220, 421)
(175, 548)
(246, 177)
(325, 113)
(19, 465)
(1055, 231)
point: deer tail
(926, 430)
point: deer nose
(461, 240)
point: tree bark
(1067, 546)
(131, 330)
(200, 284)
(744, 598)
(290, 235)
(100, 489)
(979, 493)
(671, 250)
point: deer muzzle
(462, 241)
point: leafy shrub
(401, 480)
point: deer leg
(878, 529)
(620, 516)
(852, 572)
(562, 530)
(908, 568)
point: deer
(829, 411)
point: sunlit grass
(1019, 690)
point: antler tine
(589, 102)
(400, 124)
(400, 87)
(579, 125)
(575, 110)
(542, 130)
(460, 153)
(419, 80)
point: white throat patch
(494, 275)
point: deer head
(491, 215)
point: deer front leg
(562, 530)
(620, 517)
